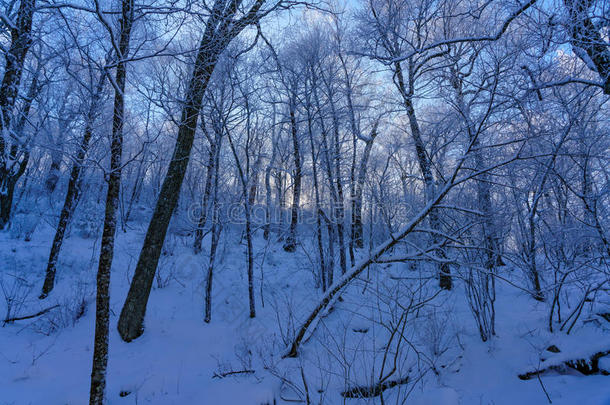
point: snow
(604, 364)
(176, 358)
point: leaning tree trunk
(221, 28)
(373, 257)
(102, 300)
(73, 191)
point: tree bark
(216, 230)
(339, 212)
(586, 37)
(102, 300)
(247, 205)
(73, 192)
(268, 182)
(211, 167)
(12, 176)
(10, 172)
(290, 244)
(425, 165)
(221, 28)
(357, 206)
(314, 165)
(359, 267)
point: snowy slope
(48, 359)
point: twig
(228, 373)
(21, 318)
(543, 388)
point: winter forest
(305, 201)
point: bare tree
(227, 19)
(14, 155)
(120, 43)
(74, 186)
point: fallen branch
(586, 366)
(21, 318)
(376, 254)
(228, 373)
(360, 267)
(373, 390)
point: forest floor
(180, 359)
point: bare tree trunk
(314, 164)
(211, 167)
(587, 37)
(13, 176)
(221, 28)
(102, 301)
(290, 244)
(63, 121)
(372, 258)
(531, 240)
(139, 179)
(330, 265)
(331, 224)
(352, 200)
(425, 166)
(480, 285)
(339, 213)
(216, 230)
(355, 135)
(250, 254)
(135, 192)
(73, 192)
(53, 175)
(531, 256)
(280, 197)
(268, 184)
(10, 169)
(357, 206)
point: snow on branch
(451, 41)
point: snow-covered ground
(179, 358)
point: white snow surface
(47, 359)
